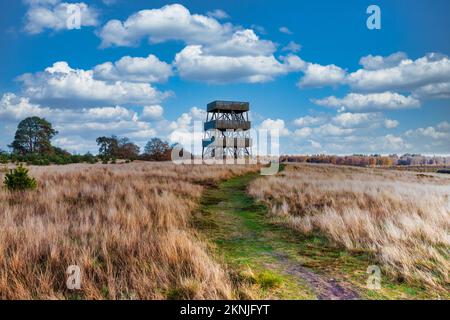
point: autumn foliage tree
(115, 147)
(157, 150)
(127, 149)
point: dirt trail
(245, 237)
(325, 288)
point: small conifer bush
(18, 179)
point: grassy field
(126, 226)
(161, 231)
(267, 260)
(401, 219)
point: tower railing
(227, 125)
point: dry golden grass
(126, 226)
(402, 217)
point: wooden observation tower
(227, 130)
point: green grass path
(255, 247)
(280, 263)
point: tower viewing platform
(228, 106)
(227, 130)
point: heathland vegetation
(149, 230)
(127, 226)
(401, 218)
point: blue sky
(311, 69)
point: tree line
(32, 144)
(361, 160)
(354, 160)
(114, 147)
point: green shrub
(89, 158)
(40, 162)
(4, 158)
(18, 179)
(60, 158)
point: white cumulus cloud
(405, 74)
(134, 69)
(390, 124)
(316, 75)
(56, 15)
(62, 85)
(152, 112)
(303, 132)
(292, 46)
(218, 14)
(171, 22)
(439, 132)
(373, 101)
(356, 120)
(242, 43)
(193, 64)
(371, 62)
(285, 30)
(310, 120)
(433, 91)
(276, 125)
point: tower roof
(228, 106)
